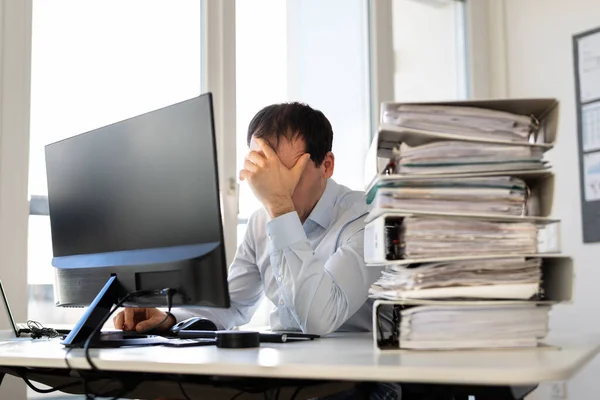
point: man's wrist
(280, 207)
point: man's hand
(141, 319)
(271, 181)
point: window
(95, 63)
(430, 50)
(308, 51)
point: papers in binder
(468, 122)
(500, 195)
(417, 237)
(461, 157)
(443, 327)
(504, 278)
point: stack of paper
(460, 220)
(470, 122)
(502, 195)
(421, 237)
(499, 278)
(460, 157)
(447, 327)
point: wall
(539, 63)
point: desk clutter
(460, 224)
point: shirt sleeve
(245, 291)
(321, 293)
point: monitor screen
(146, 182)
(139, 200)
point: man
(304, 248)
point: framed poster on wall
(586, 57)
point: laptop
(23, 328)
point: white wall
(539, 60)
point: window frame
(218, 76)
(15, 78)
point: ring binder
(458, 230)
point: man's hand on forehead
(254, 146)
(271, 181)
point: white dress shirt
(314, 273)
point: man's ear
(327, 165)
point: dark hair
(293, 120)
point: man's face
(313, 179)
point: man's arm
(245, 290)
(322, 293)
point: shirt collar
(323, 210)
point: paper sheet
(590, 124)
(591, 176)
(589, 67)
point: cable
(183, 392)
(238, 394)
(83, 380)
(86, 346)
(168, 292)
(38, 330)
(44, 391)
(298, 389)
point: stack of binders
(460, 225)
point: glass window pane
(430, 50)
(261, 72)
(308, 51)
(328, 60)
(97, 62)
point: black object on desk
(264, 337)
(222, 339)
(194, 324)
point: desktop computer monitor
(134, 206)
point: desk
(341, 357)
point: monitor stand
(96, 315)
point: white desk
(350, 357)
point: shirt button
(281, 302)
(279, 278)
(270, 238)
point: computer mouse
(194, 324)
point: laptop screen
(8, 311)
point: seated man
(304, 249)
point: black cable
(183, 392)
(86, 391)
(67, 359)
(238, 394)
(295, 394)
(38, 330)
(156, 326)
(45, 391)
(86, 346)
(83, 380)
